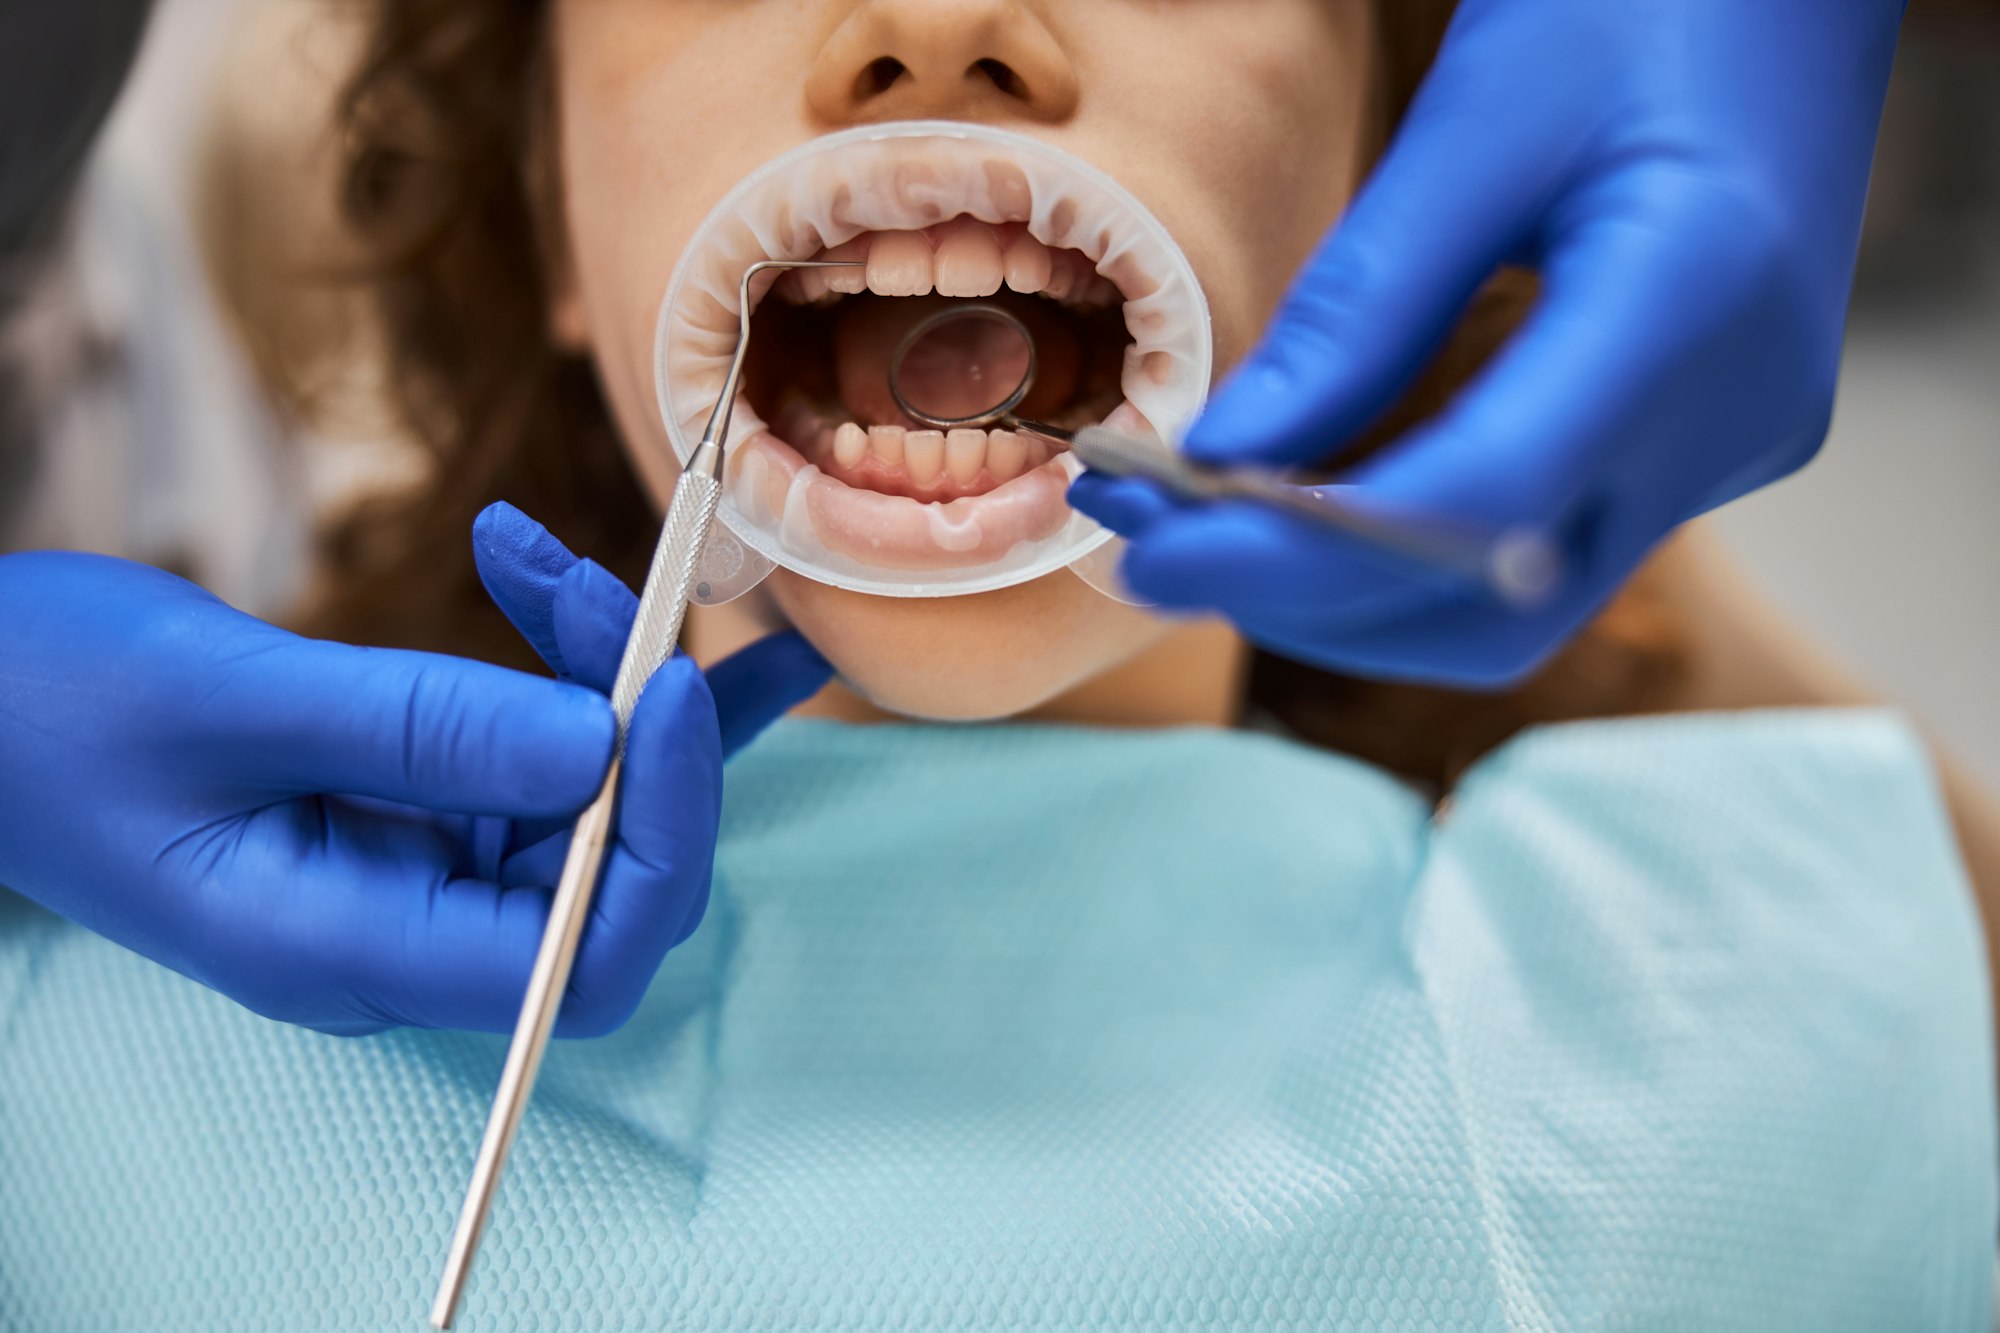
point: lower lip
(893, 532)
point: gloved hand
(346, 838)
(1688, 180)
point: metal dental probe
(1521, 567)
(655, 631)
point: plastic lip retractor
(906, 177)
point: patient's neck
(1191, 678)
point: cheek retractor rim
(903, 177)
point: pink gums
(896, 532)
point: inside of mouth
(822, 342)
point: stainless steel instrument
(662, 608)
(1522, 568)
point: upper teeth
(963, 258)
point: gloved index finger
(429, 730)
(1472, 170)
(1563, 417)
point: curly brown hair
(451, 187)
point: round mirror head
(966, 366)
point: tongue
(965, 370)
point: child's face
(1239, 123)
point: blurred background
(206, 187)
(1888, 546)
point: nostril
(1003, 76)
(878, 77)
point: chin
(968, 659)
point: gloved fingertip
(760, 684)
(497, 517)
(591, 619)
(519, 563)
(503, 535)
(697, 910)
(1161, 581)
(786, 654)
(1244, 421)
(1228, 556)
(1126, 505)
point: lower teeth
(923, 464)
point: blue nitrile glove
(1688, 180)
(576, 615)
(345, 838)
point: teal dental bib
(1675, 1024)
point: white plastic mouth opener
(662, 608)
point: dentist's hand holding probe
(1687, 180)
(354, 839)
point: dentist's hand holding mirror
(1687, 182)
(971, 366)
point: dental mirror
(970, 366)
(967, 367)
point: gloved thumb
(1458, 194)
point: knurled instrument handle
(655, 631)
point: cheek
(640, 164)
(968, 658)
(1257, 150)
(624, 241)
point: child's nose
(987, 60)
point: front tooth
(850, 444)
(846, 281)
(923, 455)
(1006, 455)
(887, 444)
(1028, 264)
(969, 262)
(899, 264)
(964, 455)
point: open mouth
(825, 473)
(820, 350)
